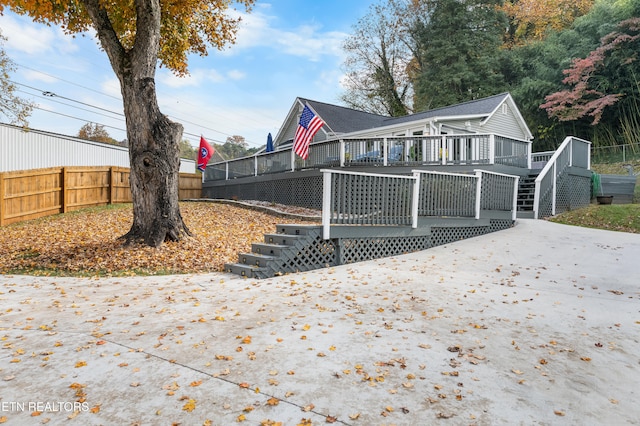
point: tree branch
(107, 35)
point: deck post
(492, 149)
(326, 204)
(293, 160)
(385, 153)
(571, 153)
(443, 149)
(342, 153)
(554, 188)
(478, 192)
(226, 170)
(255, 165)
(415, 199)
(514, 212)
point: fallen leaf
(273, 401)
(444, 416)
(559, 413)
(81, 364)
(189, 406)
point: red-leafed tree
(608, 76)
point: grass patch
(614, 217)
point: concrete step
(246, 271)
(526, 214)
(254, 259)
(268, 249)
(281, 239)
(293, 229)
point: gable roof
(344, 120)
(475, 108)
(341, 120)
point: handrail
(565, 152)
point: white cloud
(195, 78)
(307, 41)
(33, 75)
(236, 74)
(111, 87)
(31, 38)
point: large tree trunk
(154, 152)
(154, 155)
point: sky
(284, 49)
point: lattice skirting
(360, 249)
(309, 251)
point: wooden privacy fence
(31, 194)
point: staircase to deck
(292, 248)
(526, 195)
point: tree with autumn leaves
(606, 83)
(136, 36)
(459, 50)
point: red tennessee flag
(204, 154)
(307, 127)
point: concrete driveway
(535, 325)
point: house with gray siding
(496, 114)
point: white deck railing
(355, 198)
(467, 149)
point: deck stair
(526, 195)
(292, 248)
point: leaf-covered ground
(86, 242)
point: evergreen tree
(458, 52)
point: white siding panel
(504, 124)
(35, 149)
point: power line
(77, 118)
(176, 118)
(46, 95)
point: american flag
(307, 127)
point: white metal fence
(36, 149)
